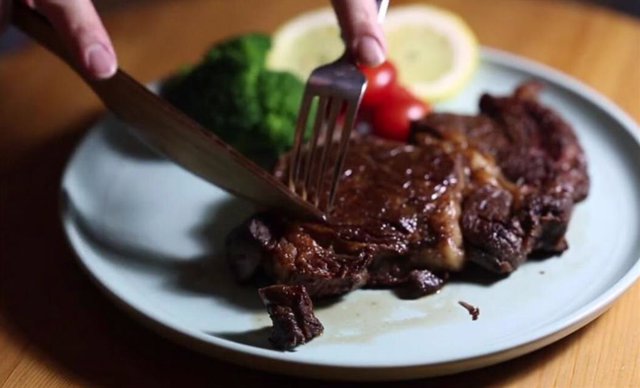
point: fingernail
(100, 62)
(370, 52)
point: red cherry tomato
(379, 81)
(392, 119)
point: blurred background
(628, 6)
(12, 39)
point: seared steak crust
(526, 204)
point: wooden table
(57, 329)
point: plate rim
(270, 361)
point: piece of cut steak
(523, 206)
(291, 312)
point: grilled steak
(490, 189)
(397, 209)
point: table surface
(57, 329)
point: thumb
(81, 28)
(362, 33)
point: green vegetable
(232, 93)
(244, 52)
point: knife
(171, 132)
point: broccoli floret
(246, 52)
(232, 94)
(279, 94)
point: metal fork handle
(383, 5)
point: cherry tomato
(379, 81)
(392, 119)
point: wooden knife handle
(171, 132)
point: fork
(337, 88)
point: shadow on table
(48, 302)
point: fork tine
(331, 122)
(323, 102)
(301, 126)
(352, 108)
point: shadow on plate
(257, 338)
(477, 275)
(119, 138)
(205, 275)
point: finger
(80, 27)
(362, 33)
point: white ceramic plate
(151, 235)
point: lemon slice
(306, 42)
(434, 51)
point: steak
(397, 209)
(489, 189)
